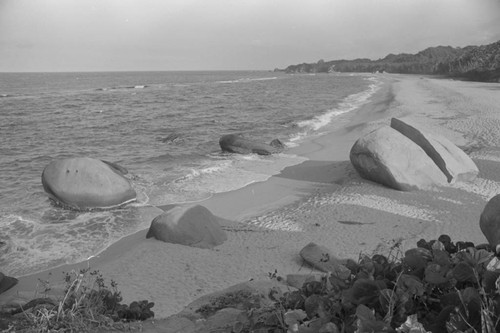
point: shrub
(438, 286)
(87, 304)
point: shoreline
(321, 200)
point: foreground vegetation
(439, 286)
(87, 304)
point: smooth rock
(6, 282)
(193, 226)
(451, 160)
(387, 157)
(322, 259)
(489, 222)
(298, 280)
(86, 183)
(240, 296)
(235, 143)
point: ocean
(164, 127)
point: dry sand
(321, 200)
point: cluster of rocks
(85, 183)
(401, 156)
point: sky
(136, 35)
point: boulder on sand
(320, 258)
(235, 143)
(193, 226)
(388, 157)
(85, 183)
(489, 222)
(451, 160)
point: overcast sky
(109, 35)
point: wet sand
(321, 200)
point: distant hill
(477, 63)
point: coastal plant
(86, 304)
(439, 286)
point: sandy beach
(322, 200)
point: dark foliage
(477, 63)
(439, 286)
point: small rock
(320, 258)
(193, 226)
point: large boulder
(489, 222)
(193, 226)
(388, 157)
(451, 160)
(235, 143)
(85, 183)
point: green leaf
(464, 272)
(412, 284)
(315, 305)
(367, 322)
(437, 245)
(411, 325)
(434, 274)
(441, 258)
(294, 318)
(365, 291)
(364, 313)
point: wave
(141, 86)
(350, 103)
(243, 80)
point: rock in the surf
(489, 222)
(236, 143)
(85, 183)
(192, 226)
(451, 160)
(387, 157)
(117, 167)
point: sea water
(164, 127)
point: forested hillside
(479, 63)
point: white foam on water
(350, 103)
(32, 246)
(243, 80)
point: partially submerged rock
(193, 226)
(85, 183)
(235, 143)
(451, 160)
(388, 157)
